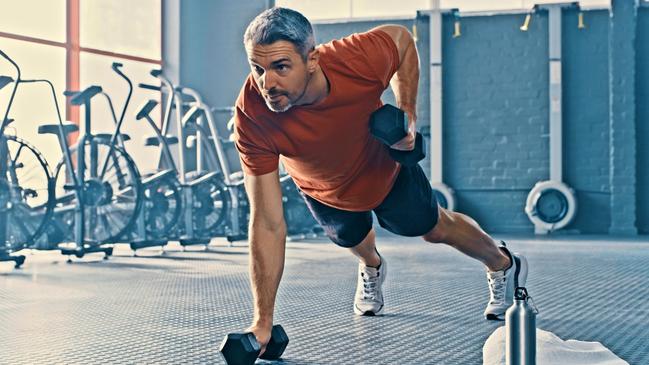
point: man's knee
(349, 236)
(439, 232)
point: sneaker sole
(368, 313)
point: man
(310, 106)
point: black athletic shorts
(409, 209)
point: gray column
(171, 39)
(622, 32)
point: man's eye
(282, 68)
(258, 70)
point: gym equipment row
(97, 196)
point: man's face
(280, 73)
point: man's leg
(354, 230)
(366, 250)
(411, 209)
(463, 233)
(505, 270)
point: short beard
(288, 106)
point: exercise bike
(26, 190)
(161, 196)
(99, 193)
(204, 196)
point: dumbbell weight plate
(240, 348)
(389, 124)
(277, 344)
(243, 348)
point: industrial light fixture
(526, 23)
(456, 27)
(580, 22)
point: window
(96, 70)
(33, 104)
(43, 19)
(109, 30)
(122, 26)
(72, 43)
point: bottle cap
(521, 294)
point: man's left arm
(405, 81)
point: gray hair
(277, 24)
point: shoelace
(497, 286)
(370, 284)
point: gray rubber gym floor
(175, 309)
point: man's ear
(312, 60)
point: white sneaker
(503, 283)
(369, 295)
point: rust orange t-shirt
(327, 147)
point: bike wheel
(162, 206)
(111, 195)
(210, 206)
(26, 194)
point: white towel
(552, 350)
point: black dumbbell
(389, 124)
(243, 348)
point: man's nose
(267, 81)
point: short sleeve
(381, 52)
(257, 153)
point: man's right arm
(267, 237)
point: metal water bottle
(520, 324)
